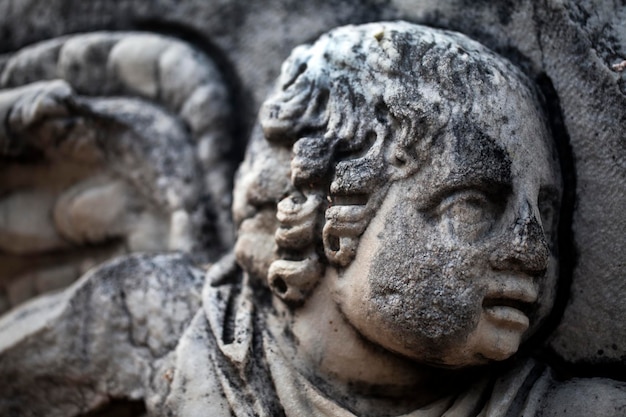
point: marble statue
(396, 248)
(114, 143)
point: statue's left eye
(467, 214)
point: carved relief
(431, 167)
(396, 214)
(113, 143)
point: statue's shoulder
(159, 295)
(138, 289)
(102, 337)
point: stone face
(423, 168)
(572, 45)
(398, 243)
(403, 213)
(119, 173)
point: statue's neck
(330, 353)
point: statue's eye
(467, 214)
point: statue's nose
(522, 246)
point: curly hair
(360, 108)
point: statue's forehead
(488, 157)
(493, 146)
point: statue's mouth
(511, 303)
(513, 316)
(524, 307)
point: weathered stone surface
(111, 335)
(573, 50)
(120, 173)
(573, 44)
(406, 188)
(427, 164)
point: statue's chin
(470, 355)
(497, 339)
(490, 341)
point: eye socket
(467, 214)
(466, 205)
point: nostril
(528, 263)
(522, 247)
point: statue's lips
(510, 317)
(509, 301)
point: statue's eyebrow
(481, 179)
(490, 174)
(476, 161)
(479, 161)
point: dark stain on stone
(119, 408)
(477, 154)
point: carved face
(459, 263)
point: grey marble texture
(327, 209)
(400, 251)
(113, 143)
(576, 46)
